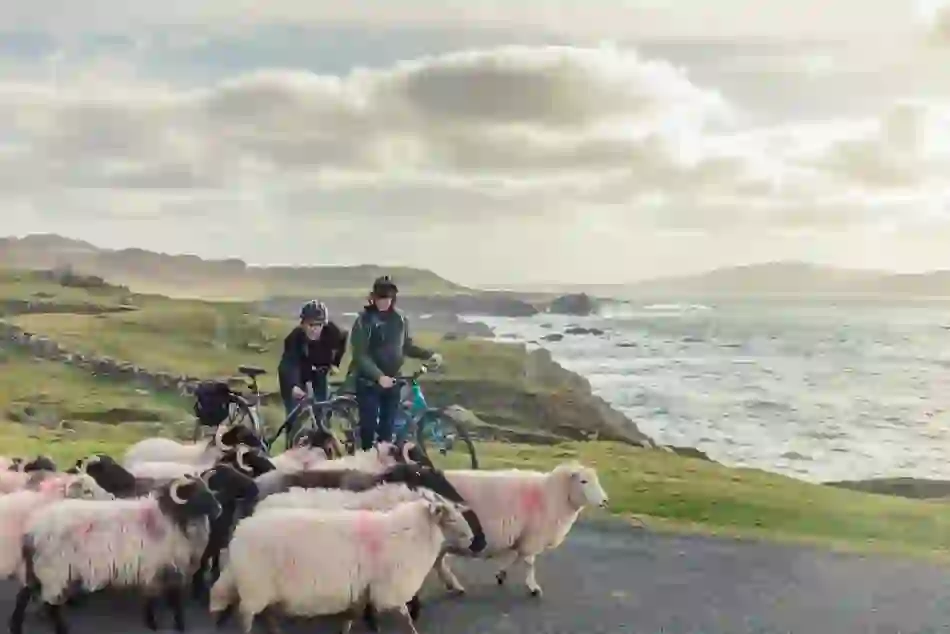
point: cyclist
(381, 342)
(312, 350)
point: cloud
(935, 18)
(553, 146)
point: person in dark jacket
(312, 350)
(381, 341)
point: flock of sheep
(301, 533)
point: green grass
(46, 392)
(202, 339)
(212, 340)
(658, 489)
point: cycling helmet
(385, 287)
(314, 310)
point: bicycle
(426, 424)
(240, 406)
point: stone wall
(45, 348)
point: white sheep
(203, 454)
(375, 460)
(17, 508)
(523, 513)
(159, 471)
(298, 458)
(153, 542)
(318, 562)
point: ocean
(815, 390)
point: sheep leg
(415, 606)
(176, 601)
(410, 626)
(199, 587)
(508, 559)
(369, 617)
(23, 598)
(530, 580)
(151, 621)
(55, 613)
(445, 574)
(247, 620)
(270, 621)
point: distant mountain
(784, 279)
(191, 276)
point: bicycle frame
(408, 417)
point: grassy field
(662, 491)
(68, 413)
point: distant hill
(191, 276)
(783, 279)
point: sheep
(381, 457)
(231, 488)
(122, 483)
(314, 445)
(17, 508)
(312, 563)
(40, 463)
(203, 454)
(524, 513)
(379, 492)
(12, 481)
(86, 545)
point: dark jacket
(381, 342)
(302, 355)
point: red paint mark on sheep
(532, 499)
(150, 521)
(369, 533)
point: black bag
(212, 399)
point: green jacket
(380, 342)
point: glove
(435, 359)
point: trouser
(321, 392)
(377, 407)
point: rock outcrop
(580, 304)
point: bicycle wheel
(343, 422)
(455, 439)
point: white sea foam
(812, 390)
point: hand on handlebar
(386, 382)
(297, 393)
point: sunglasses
(313, 324)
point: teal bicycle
(430, 427)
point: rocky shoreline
(905, 487)
(571, 412)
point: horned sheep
(524, 513)
(16, 509)
(87, 545)
(375, 460)
(203, 454)
(333, 562)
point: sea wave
(814, 391)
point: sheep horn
(173, 490)
(241, 452)
(405, 452)
(219, 436)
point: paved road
(614, 580)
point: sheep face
(85, 487)
(108, 473)
(187, 499)
(228, 484)
(584, 486)
(230, 437)
(317, 438)
(249, 461)
(448, 516)
(40, 463)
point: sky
(549, 141)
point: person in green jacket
(380, 342)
